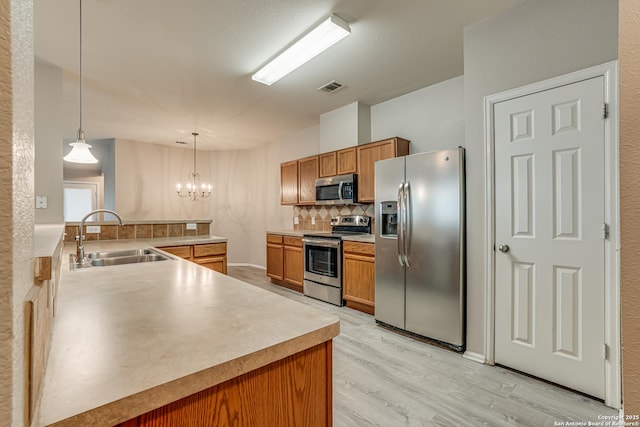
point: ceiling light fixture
(80, 151)
(194, 189)
(326, 34)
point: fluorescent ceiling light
(326, 34)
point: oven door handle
(322, 243)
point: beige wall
(630, 201)
(16, 213)
(48, 141)
(536, 40)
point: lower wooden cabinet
(359, 275)
(294, 391)
(285, 261)
(210, 255)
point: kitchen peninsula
(172, 343)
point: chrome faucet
(80, 238)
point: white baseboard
(244, 264)
(476, 357)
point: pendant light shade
(80, 151)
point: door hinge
(605, 351)
(605, 231)
(605, 110)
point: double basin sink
(120, 257)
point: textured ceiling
(156, 70)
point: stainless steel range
(323, 257)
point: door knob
(503, 248)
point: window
(80, 198)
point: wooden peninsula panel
(294, 391)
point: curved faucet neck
(80, 237)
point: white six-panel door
(549, 216)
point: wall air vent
(331, 87)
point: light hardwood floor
(382, 378)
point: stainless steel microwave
(337, 190)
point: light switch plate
(313, 220)
(296, 220)
(41, 202)
(93, 229)
(191, 226)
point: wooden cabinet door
(293, 268)
(181, 251)
(327, 164)
(368, 154)
(274, 257)
(346, 161)
(289, 183)
(218, 264)
(359, 275)
(307, 175)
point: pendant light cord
(80, 129)
(194, 152)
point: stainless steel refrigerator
(420, 245)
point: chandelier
(194, 189)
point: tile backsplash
(323, 215)
(146, 230)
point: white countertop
(46, 238)
(131, 338)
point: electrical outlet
(41, 202)
(296, 220)
(191, 226)
(313, 220)
(93, 229)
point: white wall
(48, 141)
(432, 118)
(530, 42)
(345, 127)
(146, 178)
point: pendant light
(194, 189)
(80, 153)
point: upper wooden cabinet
(368, 154)
(307, 175)
(347, 161)
(328, 165)
(289, 183)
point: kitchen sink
(120, 257)
(122, 253)
(131, 259)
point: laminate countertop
(131, 338)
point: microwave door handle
(340, 190)
(400, 226)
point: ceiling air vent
(181, 142)
(332, 86)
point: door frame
(609, 70)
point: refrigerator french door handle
(400, 231)
(406, 240)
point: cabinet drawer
(360, 248)
(181, 251)
(274, 238)
(293, 241)
(209, 249)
